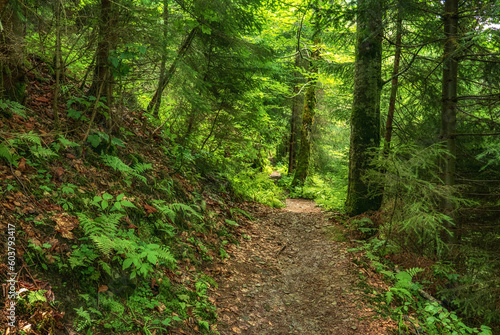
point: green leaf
(152, 258)
(232, 223)
(104, 204)
(94, 140)
(120, 197)
(126, 203)
(126, 263)
(107, 196)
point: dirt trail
(290, 278)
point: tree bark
(365, 117)
(12, 73)
(58, 63)
(449, 97)
(107, 42)
(394, 87)
(307, 121)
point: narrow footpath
(290, 277)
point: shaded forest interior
(136, 136)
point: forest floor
(292, 277)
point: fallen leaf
(42, 99)
(149, 209)
(65, 224)
(21, 166)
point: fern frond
(6, 154)
(413, 271)
(103, 243)
(41, 152)
(30, 137)
(66, 142)
(105, 266)
(142, 167)
(116, 163)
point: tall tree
(304, 156)
(365, 117)
(12, 74)
(103, 76)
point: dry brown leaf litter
(289, 278)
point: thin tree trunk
(449, 97)
(365, 117)
(58, 65)
(307, 122)
(295, 119)
(394, 87)
(180, 55)
(163, 64)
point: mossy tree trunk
(12, 73)
(365, 117)
(307, 122)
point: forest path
(289, 277)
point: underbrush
(256, 186)
(405, 299)
(328, 192)
(113, 242)
(411, 230)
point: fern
(41, 152)
(142, 167)
(30, 137)
(7, 154)
(67, 143)
(102, 225)
(118, 165)
(171, 210)
(12, 106)
(104, 244)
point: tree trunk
(365, 117)
(12, 74)
(107, 42)
(293, 144)
(307, 122)
(162, 84)
(449, 96)
(163, 64)
(58, 63)
(394, 87)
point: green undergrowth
(255, 185)
(327, 191)
(123, 242)
(405, 301)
